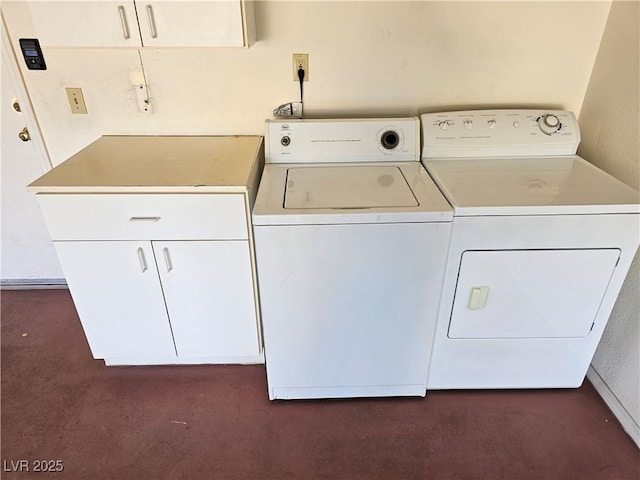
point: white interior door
(116, 290)
(27, 252)
(208, 290)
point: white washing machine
(541, 243)
(351, 237)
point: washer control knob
(285, 141)
(444, 125)
(390, 139)
(549, 124)
(468, 124)
(491, 123)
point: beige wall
(610, 128)
(374, 58)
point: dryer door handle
(478, 298)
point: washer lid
(530, 186)
(329, 194)
(347, 187)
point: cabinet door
(116, 290)
(191, 23)
(209, 294)
(85, 24)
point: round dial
(549, 123)
(390, 139)
(444, 125)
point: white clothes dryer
(541, 243)
(351, 237)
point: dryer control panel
(499, 133)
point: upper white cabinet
(160, 23)
(191, 24)
(85, 24)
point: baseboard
(617, 408)
(33, 284)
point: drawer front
(145, 216)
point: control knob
(444, 125)
(549, 123)
(390, 139)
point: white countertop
(170, 164)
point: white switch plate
(76, 100)
(142, 97)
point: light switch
(478, 298)
(76, 100)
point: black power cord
(301, 78)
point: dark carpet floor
(216, 422)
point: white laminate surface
(172, 164)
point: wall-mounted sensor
(32, 54)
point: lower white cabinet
(208, 291)
(154, 237)
(159, 278)
(154, 301)
(117, 292)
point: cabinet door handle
(167, 259)
(145, 219)
(143, 262)
(152, 21)
(123, 22)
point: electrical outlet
(76, 100)
(301, 60)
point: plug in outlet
(76, 100)
(300, 60)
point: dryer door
(530, 293)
